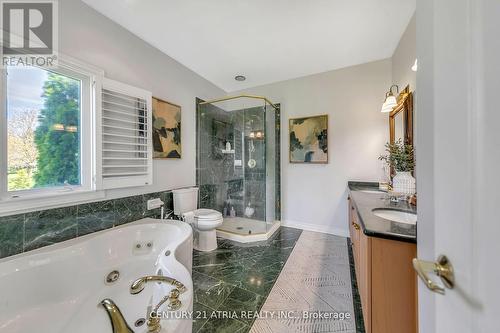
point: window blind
(126, 135)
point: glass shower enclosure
(238, 162)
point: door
(458, 161)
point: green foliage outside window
(57, 136)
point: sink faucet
(118, 322)
(153, 321)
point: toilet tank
(185, 200)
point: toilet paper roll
(189, 217)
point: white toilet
(204, 221)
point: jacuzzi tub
(58, 289)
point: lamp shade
(389, 104)
(385, 109)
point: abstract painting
(166, 129)
(309, 139)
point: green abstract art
(309, 139)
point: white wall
(314, 196)
(404, 57)
(89, 36)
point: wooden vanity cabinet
(387, 283)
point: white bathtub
(58, 288)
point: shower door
(237, 163)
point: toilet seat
(207, 215)
(203, 221)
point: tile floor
(240, 277)
(316, 279)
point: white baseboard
(315, 227)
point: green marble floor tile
(209, 291)
(249, 269)
(244, 303)
(201, 313)
(261, 278)
(229, 271)
(226, 325)
(215, 257)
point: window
(67, 134)
(43, 129)
(47, 132)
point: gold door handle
(441, 268)
(355, 225)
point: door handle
(441, 268)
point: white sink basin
(396, 216)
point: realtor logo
(29, 36)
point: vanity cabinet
(387, 283)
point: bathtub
(59, 288)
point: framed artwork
(166, 129)
(309, 139)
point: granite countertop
(375, 226)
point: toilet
(203, 221)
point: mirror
(399, 127)
(401, 118)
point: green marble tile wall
(25, 232)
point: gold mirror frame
(405, 105)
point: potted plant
(400, 157)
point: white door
(458, 161)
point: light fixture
(390, 100)
(415, 66)
(240, 78)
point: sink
(396, 215)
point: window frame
(25, 200)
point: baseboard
(315, 227)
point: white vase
(403, 182)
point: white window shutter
(127, 158)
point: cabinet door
(393, 284)
(364, 281)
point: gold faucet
(140, 283)
(118, 322)
(153, 321)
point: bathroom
(249, 166)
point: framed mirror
(401, 118)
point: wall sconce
(390, 100)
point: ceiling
(265, 40)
